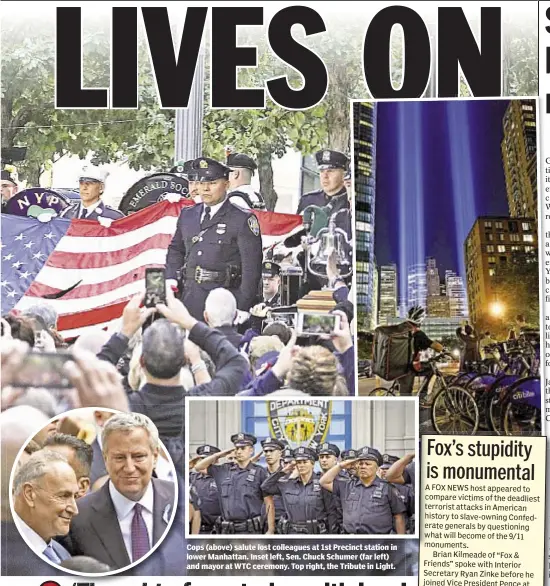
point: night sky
(458, 148)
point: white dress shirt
(213, 209)
(89, 209)
(124, 508)
(36, 543)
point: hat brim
(326, 453)
(370, 458)
(304, 458)
(241, 444)
(330, 166)
(90, 180)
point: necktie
(140, 537)
(49, 552)
(206, 215)
(83, 213)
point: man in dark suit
(44, 491)
(120, 523)
(216, 244)
(91, 185)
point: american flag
(86, 271)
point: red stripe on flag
(97, 260)
(72, 321)
(275, 224)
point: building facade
(456, 294)
(519, 158)
(491, 243)
(416, 285)
(438, 306)
(364, 141)
(388, 293)
(432, 277)
(389, 426)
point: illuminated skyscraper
(364, 141)
(432, 277)
(519, 158)
(456, 293)
(416, 285)
(388, 293)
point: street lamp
(496, 309)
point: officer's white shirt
(213, 209)
(124, 509)
(89, 209)
(239, 201)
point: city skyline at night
(439, 167)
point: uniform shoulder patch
(254, 225)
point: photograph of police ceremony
(301, 467)
(447, 268)
(91, 492)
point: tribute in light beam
(460, 155)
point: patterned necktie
(140, 537)
(206, 215)
(49, 552)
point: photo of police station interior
(92, 491)
(307, 467)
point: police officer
(216, 244)
(332, 168)
(406, 491)
(204, 487)
(307, 504)
(239, 483)
(369, 505)
(273, 451)
(350, 454)
(9, 187)
(241, 191)
(328, 457)
(192, 180)
(91, 183)
(271, 296)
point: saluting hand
(288, 468)
(348, 463)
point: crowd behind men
(231, 493)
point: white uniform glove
(241, 317)
(105, 222)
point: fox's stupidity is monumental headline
(454, 47)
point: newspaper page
(273, 288)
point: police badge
(203, 164)
(254, 225)
(326, 156)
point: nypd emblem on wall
(299, 423)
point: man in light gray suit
(44, 490)
(129, 514)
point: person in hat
(216, 244)
(9, 187)
(332, 167)
(91, 182)
(308, 507)
(406, 491)
(239, 482)
(241, 191)
(369, 505)
(271, 296)
(205, 489)
(350, 454)
(328, 455)
(192, 180)
(273, 451)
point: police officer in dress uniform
(216, 244)
(91, 183)
(204, 486)
(406, 491)
(240, 191)
(307, 504)
(273, 451)
(369, 505)
(271, 295)
(332, 167)
(239, 483)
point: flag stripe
(84, 291)
(63, 279)
(96, 260)
(73, 243)
(92, 317)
